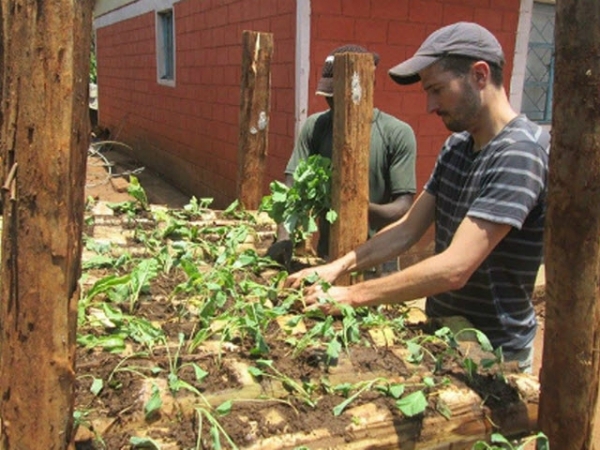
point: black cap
(325, 84)
(460, 39)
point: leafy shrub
(300, 206)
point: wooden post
(352, 116)
(571, 359)
(44, 136)
(257, 49)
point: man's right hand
(281, 252)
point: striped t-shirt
(505, 182)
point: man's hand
(329, 302)
(281, 252)
(326, 272)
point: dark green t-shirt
(391, 161)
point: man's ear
(481, 73)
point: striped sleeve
(512, 185)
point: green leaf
(470, 367)
(113, 344)
(224, 408)
(97, 386)
(199, 372)
(340, 408)
(136, 191)
(214, 432)
(331, 216)
(333, 349)
(485, 343)
(344, 388)
(497, 438)
(144, 442)
(443, 409)
(416, 352)
(396, 390)
(106, 283)
(255, 372)
(154, 403)
(412, 404)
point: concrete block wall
(190, 132)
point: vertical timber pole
(571, 359)
(352, 117)
(44, 136)
(257, 50)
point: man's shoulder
(318, 121)
(394, 131)
(318, 115)
(389, 120)
(525, 132)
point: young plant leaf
(412, 404)
(144, 442)
(224, 408)
(96, 386)
(154, 403)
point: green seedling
(216, 430)
(499, 442)
(136, 190)
(176, 383)
(288, 383)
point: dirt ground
(108, 173)
(107, 180)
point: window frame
(166, 45)
(546, 112)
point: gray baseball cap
(461, 39)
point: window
(165, 47)
(539, 75)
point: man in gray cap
(486, 197)
(392, 157)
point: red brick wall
(395, 29)
(190, 132)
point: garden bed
(186, 340)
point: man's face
(452, 97)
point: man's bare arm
(450, 270)
(382, 215)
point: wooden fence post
(257, 50)
(352, 116)
(44, 137)
(571, 360)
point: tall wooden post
(352, 116)
(44, 136)
(257, 50)
(571, 359)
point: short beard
(466, 111)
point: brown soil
(264, 405)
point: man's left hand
(316, 298)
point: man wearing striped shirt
(486, 196)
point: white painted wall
(302, 62)
(520, 58)
(128, 9)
